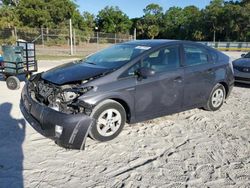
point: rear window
(195, 55)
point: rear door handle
(178, 79)
(210, 70)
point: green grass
(58, 57)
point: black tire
(210, 106)
(99, 110)
(13, 83)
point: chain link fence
(57, 41)
(229, 46)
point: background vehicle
(128, 82)
(242, 69)
(1, 61)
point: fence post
(97, 40)
(135, 34)
(214, 35)
(42, 37)
(74, 36)
(47, 33)
(15, 31)
(70, 36)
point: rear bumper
(75, 128)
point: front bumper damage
(74, 128)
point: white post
(42, 37)
(135, 34)
(97, 40)
(74, 34)
(71, 37)
(15, 30)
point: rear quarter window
(214, 56)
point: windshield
(116, 56)
(247, 55)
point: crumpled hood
(242, 62)
(74, 71)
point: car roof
(150, 43)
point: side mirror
(243, 55)
(145, 72)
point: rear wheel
(216, 98)
(13, 83)
(110, 119)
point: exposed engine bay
(60, 98)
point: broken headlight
(71, 94)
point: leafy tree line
(220, 20)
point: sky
(134, 8)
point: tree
(8, 22)
(45, 13)
(153, 9)
(9, 18)
(244, 2)
(60, 10)
(88, 25)
(213, 14)
(149, 25)
(11, 2)
(153, 31)
(113, 20)
(34, 13)
(172, 23)
(89, 20)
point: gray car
(242, 69)
(126, 83)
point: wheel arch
(127, 102)
(125, 106)
(225, 85)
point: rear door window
(195, 55)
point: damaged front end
(62, 98)
(55, 111)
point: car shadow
(12, 135)
(236, 84)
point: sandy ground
(195, 148)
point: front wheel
(216, 99)
(110, 119)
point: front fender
(125, 96)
